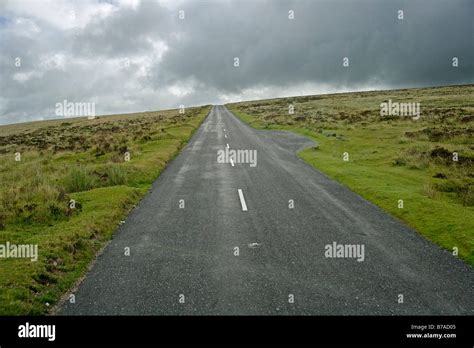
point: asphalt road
(183, 260)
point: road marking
(227, 145)
(225, 135)
(242, 200)
(231, 162)
(223, 129)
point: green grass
(36, 194)
(391, 159)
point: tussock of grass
(115, 175)
(79, 179)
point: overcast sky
(77, 50)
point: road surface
(185, 261)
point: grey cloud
(125, 33)
(276, 51)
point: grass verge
(69, 191)
(394, 158)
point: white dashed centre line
(225, 135)
(242, 200)
(231, 162)
(227, 145)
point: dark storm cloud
(277, 51)
(190, 61)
